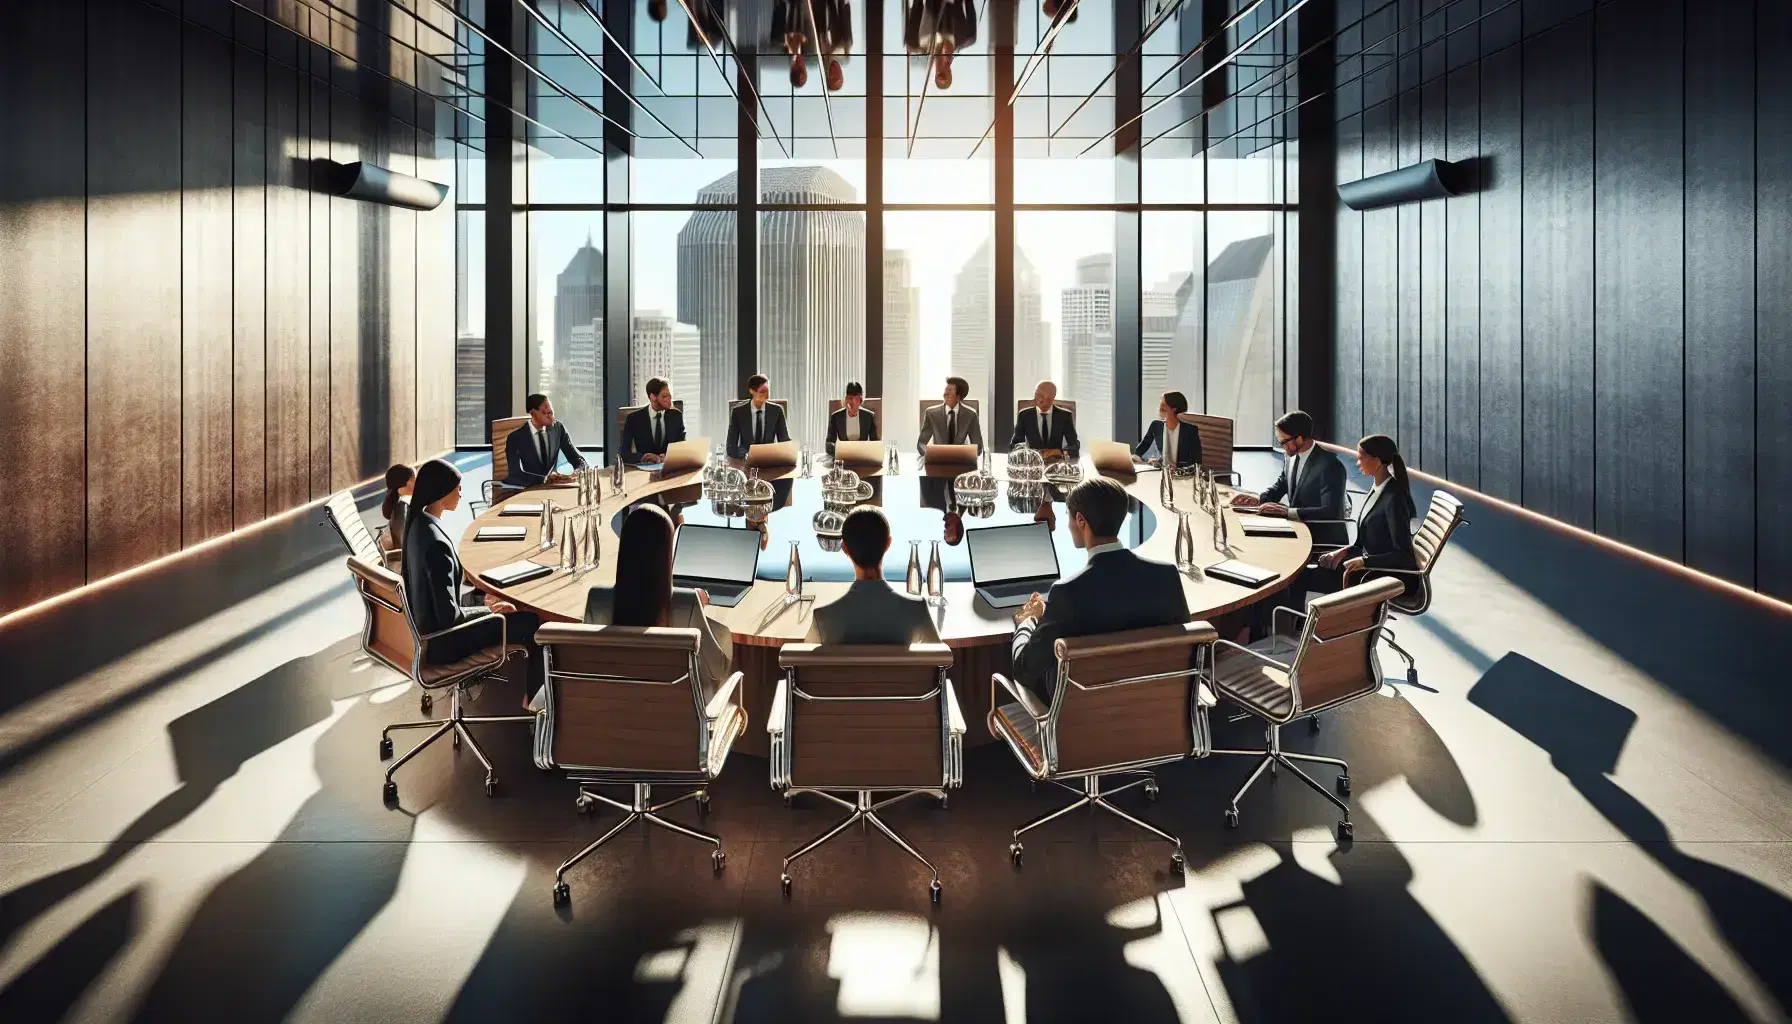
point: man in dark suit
(871, 611)
(647, 431)
(533, 450)
(1117, 590)
(1311, 486)
(852, 421)
(1044, 426)
(952, 421)
(756, 421)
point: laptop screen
(1003, 554)
(730, 555)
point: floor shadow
(49, 988)
(1584, 734)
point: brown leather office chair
(1023, 404)
(383, 592)
(876, 405)
(927, 403)
(1122, 704)
(864, 720)
(1443, 517)
(1216, 433)
(494, 490)
(341, 512)
(1332, 663)
(627, 706)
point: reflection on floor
(1583, 813)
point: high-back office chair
(1333, 663)
(927, 403)
(1443, 517)
(383, 589)
(1122, 704)
(494, 490)
(341, 513)
(385, 635)
(623, 413)
(1216, 433)
(864, 720)
(1023, 404)
(625, 706)
(876, 405)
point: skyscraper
(469, 389)
(687, 373)
(664, 348)
(811, 294)
(1086, 318)
(577, 359)
(1166, 353)
(902, 352)
(974, 329)
(1241, 321)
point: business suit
(964, 427)
(1117, 590)
(928, 23)
(833, 26)
(1383, 541)
(527, 467)
(637, 433)
(872, 612)
(1318, 493)
(1188, 444)
(1060, 433)
(741, 432)
(837, 426)
(432, 580)
(685, 612)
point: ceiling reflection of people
(939, 28)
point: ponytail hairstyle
(396, 478)
(1381, 447)
(435, 480)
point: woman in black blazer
(1384, 523)
(433, 577)
(1188, 440)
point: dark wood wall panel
(1720, 291)
(1639, 363)
(1503, 216)
(1381, 283)
(1559, 398)
(1433, 268)
(1773, 298)
(249, 286)
(1410, 365)
(1347, 327)
(401, 303)
(43, 275)
(133, 285)
(207, 444)
(288, 315)
(435, 308)
(353, 234)
(1462, 284)
(316, 130)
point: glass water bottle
(1185, 543)
(793, 573)
(914, 559)
(547, 526)
(936, 577)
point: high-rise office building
(811, 295)
(1167, 352)
(1086, 318)
(664, 348)
(902, 351)
(469, 389)
(575, 382)
(687, 373)
(974, 329)
(1241, 321)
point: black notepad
(502, 533)
(1263, 526)
(514, 573)
(1242, 573)
(520, 508)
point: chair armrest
(774, 722)
(724, 696)
(1259, 655)
(1275, 618)
(1021, 694)
(954, 717)
(480, 615)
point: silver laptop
(1011, 563)
(719, 559)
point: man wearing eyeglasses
(1311, 486)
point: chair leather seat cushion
(1259, 687)
(490, 657)
(1012, 722)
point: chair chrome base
(865, 810)
(1412, 669)
(1274, 756)
(639, 809)
(1091, 794)
(455, 725)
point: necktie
(951, 426)
(759, 426)
(1045, 429)
(541, 436)
(659, 432)
(1293, 476)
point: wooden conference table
(764, 620)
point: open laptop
(683, 456)
(777, 453)
(859, 453)
(1011, 563)
(720, 559)
(1112, 457)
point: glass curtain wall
(939, 311)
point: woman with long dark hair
(644, 594)
(1384, 522)
(432, 576)
(400, 481)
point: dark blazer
(1117, 590)
(740, 428)
(637, 433)
(1063, 438)
(432, 581)
(526, 468)
(833, 25)
(1384, 534)
(872, 612)
(1318, 495)
(1188, 443)
(925, 22)
(837, 426)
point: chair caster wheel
(1313, 724)
(1232, 818)
(1346, 830)
(562, 893)
(703, 804)
(940, 802)
(425, 702)
(718, 860)
(1151, 790)
(1412, 676)
(1014, 853)
(1178, 863)
(385, 747)
(784, 885)
(933, 892)
(583, 805)
(391, 792)
(491, 787)
(1344, 784)
(787, 799)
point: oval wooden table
(764, 621)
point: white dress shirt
(1295, 465)
(1171, 432)
(1109, 546)
(541, 448)
(852, 425)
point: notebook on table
(1012, 563)
(520, 508)
(722, 560)
(515, 572)
(1265, 526)
(503, 532)
(1242, 573)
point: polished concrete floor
(1581, 812)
